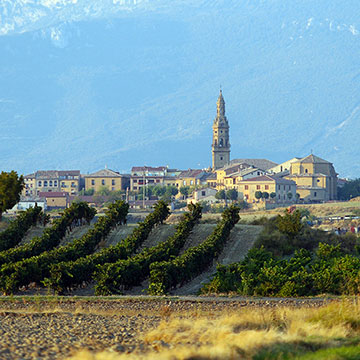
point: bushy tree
(103, 191)
(350, 190)
(258, 195)
(220, 195)
(232, 194)
(289, 224)
(11, 186)
(265, 195)
(273, 195)
(185, 190)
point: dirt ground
(55, 328)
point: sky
(122, 83)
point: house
(205, 194)
(315, 178)
(147, 176)
(56, 200)
(191, 177)
(283, 167)
(107, 178)
(278, 189)
(231, 181)
(51, 181)
(26, 204)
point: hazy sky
(84, 84)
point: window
(258, 173)
(112, 189)
(203, 193)
(246, 187)
(113, 182)
(63, 184)
(257, 187)
(184, 182)
(315, 194)
(266, 187)
(73, 184)
(135, 188)
(45, 183)
(55, 182)
(221, 157)
(191, 182)
(278, 187)
(318, 180)
(306, 171)
(135, 181)
(92, 182)
(50, 183)
(102, 182)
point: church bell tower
(220, 144)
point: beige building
(107, 178)
(51, 181)
(147, 176)
(316, 179)
(283, 167)
(55, 200)
(282, 190)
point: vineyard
(110, 256)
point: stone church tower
(221, 144)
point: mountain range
(135, 82)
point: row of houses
(311, 179)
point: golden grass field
(331, 332)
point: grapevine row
(65, 275)
(111, 278)
(167, 274)
(19, 227)
(51, 236)
(35, 269)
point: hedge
(35, 269)
(167, 274)
(112, 278)
(65, 275)
(52, 236)
(19, 227)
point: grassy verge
(331, 332)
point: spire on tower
(220, 105)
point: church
(221, 142)
(315, 178)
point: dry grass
(246, 333)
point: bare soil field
(56, 327)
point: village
(255, 183)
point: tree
(290, 224)
(265, 195)
(184, 190)
(232, 194)
(258, 195)
(297, 196)
(11, 186)
(350, 190)
(220, 195)
(103, 191)
(289, 195)
(273, 195)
